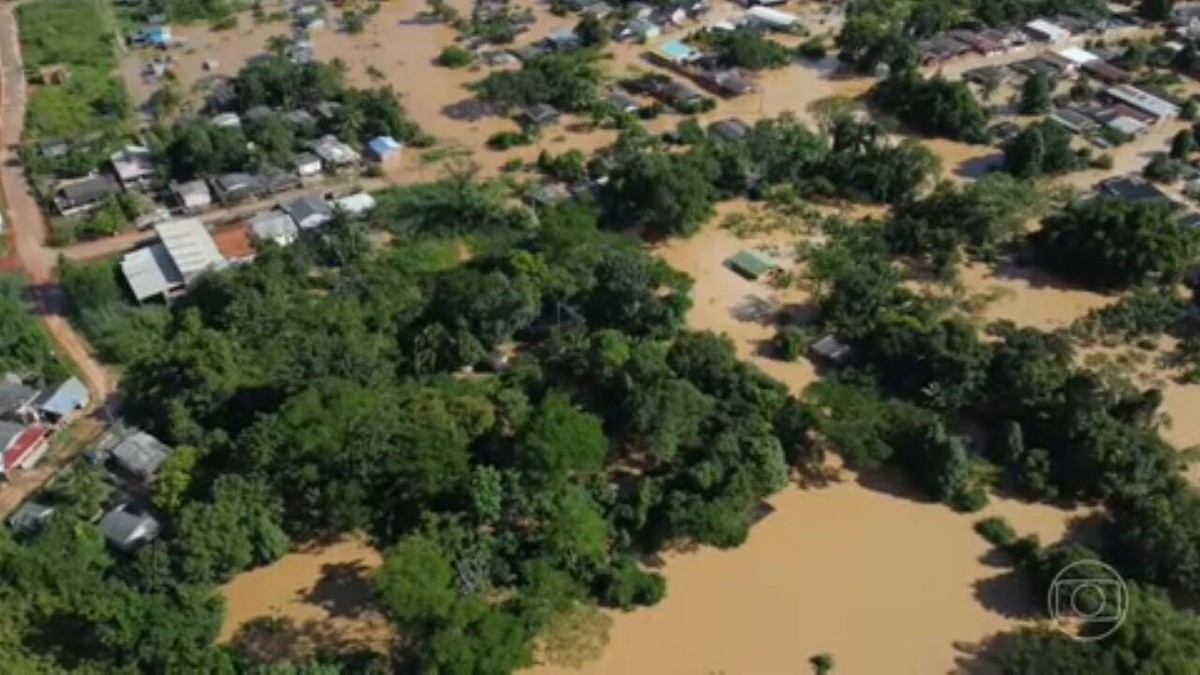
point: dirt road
(28, 231)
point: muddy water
(322, 593)
(883, 583)
(745, 311)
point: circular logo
(1088, 600)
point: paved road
(28, 227)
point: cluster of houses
(29, 417)
(184, 249)
(131, 460)
(134, 169)
(1046, 30)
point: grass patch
(78, 35)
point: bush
(503, 140)
(789, 343)
(968, 500)
(812, 49)
(455, 57)
(224, 23)
(627, 587)
(997, 531)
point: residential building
(674, 53)
(640, 29)
(751, 264)
(539, 115)
(235, 187)
(1105, 72)
(192, 195)
(275, 226)
(227, 120)
(134, 166)
(623, 102)
(1148, 103)
(307, 164)
(309, 211)
(21, 446)
(1132, 189)
(30, 517)
(725, 82)
(830, 350)
(1072, 121)
(185, 250)
(357, 204)
(85, 194)
(383, 148)
(772, 19)
(127, 528)
(63, 401)
(16, 399)
(729, 130)
(1041, 29)
(234, 244)
(980, 43)
(335, 154)
(136, 452)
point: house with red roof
(21, 446)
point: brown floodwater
(858, 569)
(320, 597)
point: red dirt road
(26, 229)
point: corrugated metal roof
(150, 272)
(64, 399)
(190, 246)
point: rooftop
(150, 272)
(234, 243)
(138, 452)
(273, 225)
(64, 399)
(190, 246)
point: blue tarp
(383, 146)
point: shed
(275, 226)
(61, 402)
(829, 349)
(309, 211)
(383, 148)
(750, 264)
(538, 115)
(127, 527)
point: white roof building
(275, 226)
(150, 272)
(334, 153)
(772, 18)
(190, 246)
(1077, 56)
(133, 164)
(1044, 30)
(1147, 103)
(356, 204)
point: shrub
(789, 343)
(997, 531)
(455, 57)
(812, 49)
(503, 140)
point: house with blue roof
(59, 403)
(154, 36)
(383, 148)
(675, 53)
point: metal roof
(150, 272)
(190, 246)
(64, 399)
(308, 211)
(751, 263)
(13, 395)
(140, 453)
(274, 225)
(1143, 101)
(356, 204)
(125, 528)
